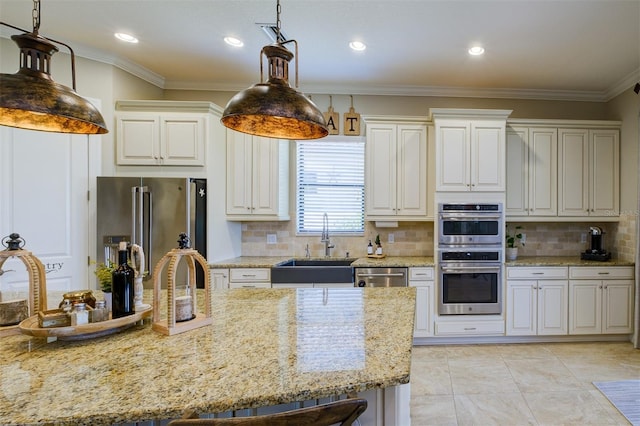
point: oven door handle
(468, 218)
(471, 269)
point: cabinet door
(517, 182)
(617, 306)
(411, 170)
(605, 175)
(265, 176)
(239, 173)
(521, 308)
(381, 162)
(182, 140)
(220, 278)
(552, 307)
(573, 176)
(452, 156)
(543, 172)
(585, 307)
(138, 139)
(425, 298)
(487, 156)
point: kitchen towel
(625, 395)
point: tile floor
(518, 384)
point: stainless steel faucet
(325, 236)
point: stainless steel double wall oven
(470, 247)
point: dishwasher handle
(398, 274)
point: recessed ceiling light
(357, 45)
(232, 41)
(476, 50)
(126, 37)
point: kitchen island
(265, 347)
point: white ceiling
(565, 49)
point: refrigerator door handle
(141, 219)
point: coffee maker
(595, 251)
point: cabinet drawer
(601, 272)
(250, 274)
(421, 274)
(551, 272)
(469, 328)
(249, 284)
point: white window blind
(330, 179)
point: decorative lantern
(13, 311)
(182, 314)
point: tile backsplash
(417, 239)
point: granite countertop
(268, 261)
(563, 261)
(265, 347)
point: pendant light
(30, 99)
(275, 109)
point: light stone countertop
(265, 347)
(563, 261)
(268, 262)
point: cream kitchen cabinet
(470, 150)
(589, 170)
(601, 300)
(423, 280)
(537, 301)
(532, 171)
(250, 278)
(257, 178)
(220, 278)
(396, 169)
(162, 133)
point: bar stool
(343, 412)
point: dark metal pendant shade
(274, 109)
(30, 99)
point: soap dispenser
(370, 248)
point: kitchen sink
(316, 271)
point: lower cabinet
(250, 278)
(423, 280)
(220, 278)
(601, 300)
(537, 301)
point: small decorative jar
(79, 315)
(100, 313)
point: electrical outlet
(523, 240)
(392, 239)
(583, 237)
(272, 239)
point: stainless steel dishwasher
(381, 277)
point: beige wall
(416, 238)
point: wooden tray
(376, 256)
(85, 331)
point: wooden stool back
(342, 412)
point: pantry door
(45, 180)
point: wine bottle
(122, 285)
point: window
(330, 179)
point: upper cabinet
(470, 149)
(162, 133)
(562, 170)
(532, 171)
(257, 178)
(396, 159)
(588, 172)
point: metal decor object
(30, 99)
(274, 109)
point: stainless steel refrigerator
(151, 212)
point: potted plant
(378, 245)
(103, 272)
(513, 240)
